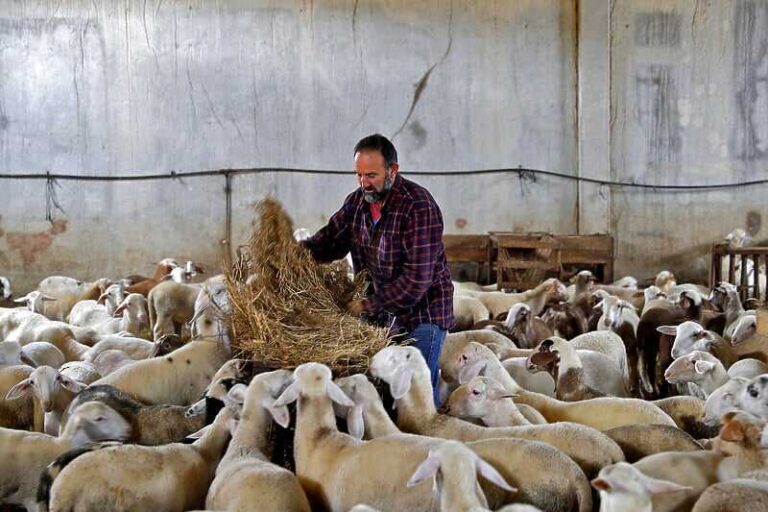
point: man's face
(374, 177)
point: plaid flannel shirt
(403, 254)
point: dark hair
(380, 143)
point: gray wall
(663, 92)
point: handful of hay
(293, 310)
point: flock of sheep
(124, 395)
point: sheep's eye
(476, 392)
(752, 391)
(99, 419)
(32, 383)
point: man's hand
(356, 307)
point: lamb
(34, 301)
(639, 441)
(26, 327)
(753, 398)
(134, 320)
(151, 425)
(527, 330)
(134, 348)
(741, 438)
(245, 476)
(624, 488)
(700, 368)
(665, 281)
(740, 495)
(500, 302)
(581, 282)
(619, 316)
(171, 307)
(628, 282)
(178, 378)
(406, 373)
(187, 470)
(68, 292)
(454, 467)
(487, 399)
(162, 269)
(525, 464)
(467, 311)
(26, 454)
(34, 354)
(212, 309)
(92, 312)
(5, 290)
(655, 298)
(690, 336)
(747, 368)
(55, 390)
(724, 399)
(561, 360)
(745, 327)
(565, 319)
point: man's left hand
(356, 307)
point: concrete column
(594, 111)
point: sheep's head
(743, 429)
(689, 336)
(653, 292)
(665, 280)
(517, 313)
(34, 301)
(755, 396)
(476, 398)
(745, 328)
(396, 366)
(584, 278)
(44, 382)
(96, 421)
(627, 484)
(726, 398)
(471, 361)
(312, 380)
(262, 392)
(134, 303)
(554, 288)
(738, 238)
(362, 392)
(689, 298)
(112, 296)
(547, 355)
(692, 367)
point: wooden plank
(756, 276)
(744, 288)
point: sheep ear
(401, 382)
(669, 330)
(703, 367)
(426, 470)
(102, 298)
(732, 431)
(280, 414)
(70, 384)
(21, 300)
(355, 424)
(290, 395)
(709, 336)
(655, 486)
(490, 474)
(471, 371)
(48, 297)
(237, 393)
(19, 390)
(496, 393)
(200, 433)
(601, 484)
(27, 360)
(336, 394)
(599, 305)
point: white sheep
(747, 368)
(21, 414)
(172, 477)
(453, 468)
(5, 289)
(624, 488)
(467, 311)
(523, 463)
(690, 336)
(724, 399)
(42, 353)
(92, 312)
(68, 292)
(55, 389)
(34, 301)
(26, 454)
(500, 302)
(171, 307)
(753, 397)
(26, 327)
(406, 373)
(700, 368)
(245, 476)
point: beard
(371, 195)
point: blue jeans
(429, 340)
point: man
(394, 230)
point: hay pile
(292, 310)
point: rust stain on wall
(29, 245)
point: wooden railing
(743, 267)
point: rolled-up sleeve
(422, 243)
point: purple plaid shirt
(403, 254)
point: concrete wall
(662, 92)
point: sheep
(245, 476)
(34, 301)
(753, 397)
(741, 437)
(581, 282)
(10, 353)
(151, 425)
(562, 361)
(565, 319)
(745, 327)
(690, 336)
(26, 327)
(586, 302)
(55, 390)
(338, 471)
(619, 316)
(134, 320)
(406, 373)
(688, 413)
(5, 290)
(455, 342)
(26, 454)
(92, 312)
(628, 282)
(487, 399)
(68, 292)
(500, 302)
(454, 467)
(178, 378)
(740, 495)
(162, 269)
(700, 368)
(525, 464)
(734, 310)
(726, 398)
(527, 330)
(467, 311)
(624, 488)
(172, 477)
(212, 308)
(665, 281)
(20, 414)
(638, 441)
(747, 368)
(171, 307)
(42, 353)
(654, 347)
(134, 348)
(655, 298)
(694, 469)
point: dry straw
(288, 310)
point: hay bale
(288, 310)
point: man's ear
(394, 168)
